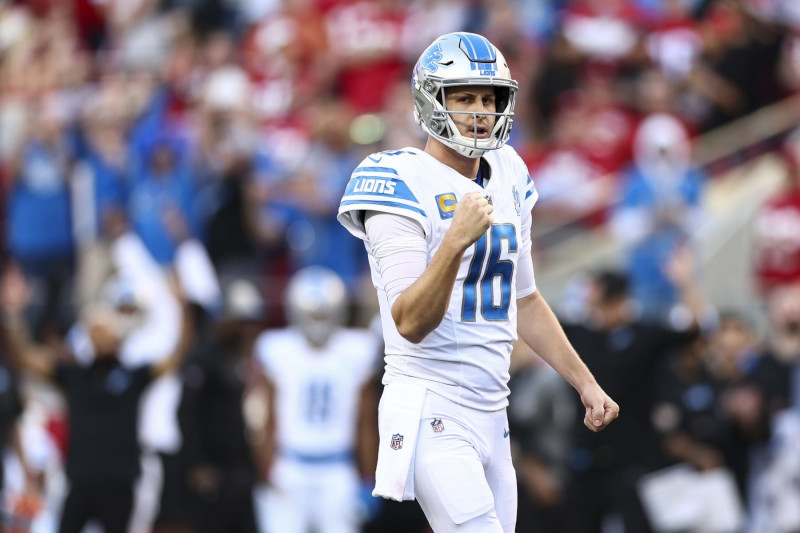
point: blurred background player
(323, 410)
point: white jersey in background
(466, 358)
(317, 391)
(314, 482)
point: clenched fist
(472, 217)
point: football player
(323, 406)
(447, 231)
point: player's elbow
(412, 336)
(410, 331)
(408, 328)
(413, 323)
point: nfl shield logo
(437, 425)
(397, 441)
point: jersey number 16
(498, 269)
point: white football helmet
(316, 303)
(457, 59)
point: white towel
(398, 425)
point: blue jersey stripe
(376, 169)
(528, 194)
(384, 203)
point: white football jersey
(317, 391)
(466, 358)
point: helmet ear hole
(502, 96)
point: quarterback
(447, 232)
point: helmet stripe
(479, 48)
(489, 52)
(465, 39)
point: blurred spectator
(11, 409)
(572, 188)
(591, 139)
(607, 127)
(783, 341)
(623, 353)
(100, 184)
(399, 128)
(162, 195)
(776, 228)
(288, 57)
(768, 410)
(605, 31)
(541, 419)
(660, 204)
(226, 157)
(674, 42)
(739, 67)
(221, 464)
(323, 409)
(370, 40)
(40, 220)
(103, 400)
(689, 405)
(312, 233)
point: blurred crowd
(169, 163)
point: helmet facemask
(447, 64)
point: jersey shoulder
(384, 181)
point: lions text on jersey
(466, 358)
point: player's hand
(601, 410)
(472, 217)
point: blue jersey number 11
(485, 279)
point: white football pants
(463, 476)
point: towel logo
(437, 425)
(397, 441)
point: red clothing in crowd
(367, 38)
(777, 241)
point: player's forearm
(421, 307)
(540, 329)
